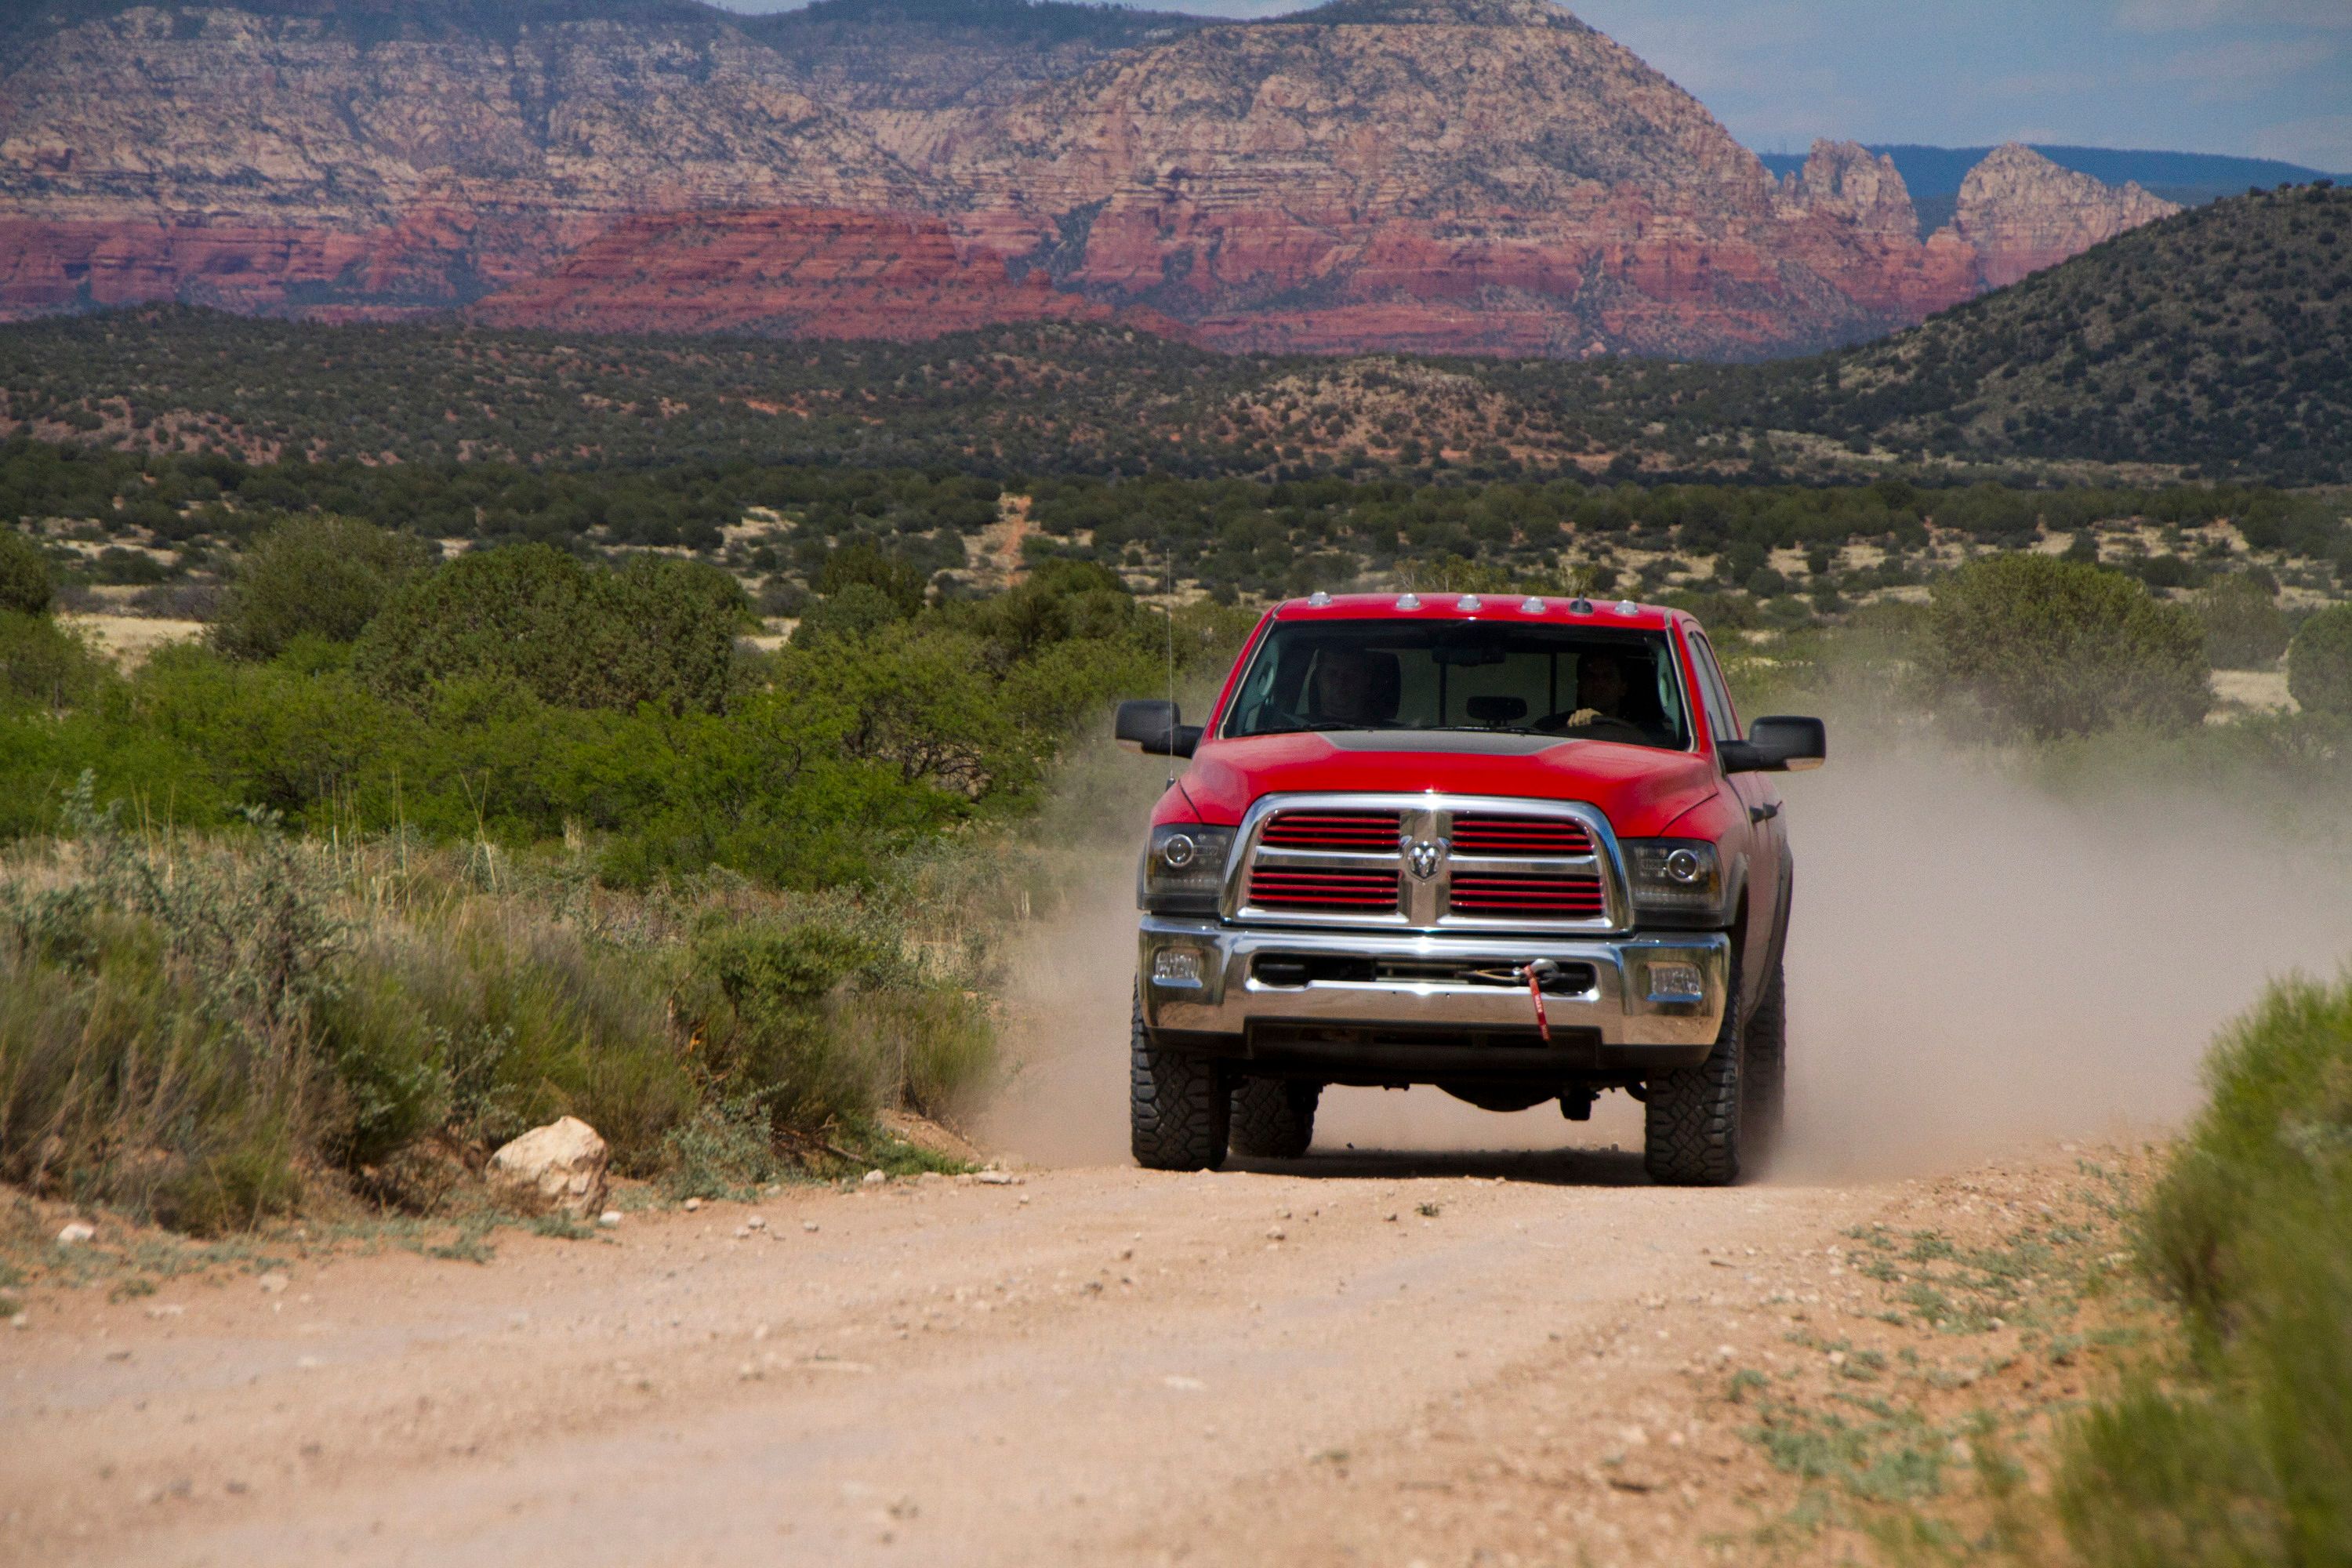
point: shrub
(2053, 648)
(46, 666)
(855, 611)
(899, 581)
(2245, 1455)
(2319, 662)
(25, 585)
(2245, 628)
(575, 636)
(322, 576)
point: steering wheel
(1595, 727)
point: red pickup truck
(1516, 847)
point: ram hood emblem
(1425, 857)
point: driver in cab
(1601, 689)
(1354, 688)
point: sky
(2269, 78)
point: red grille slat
(1363, 832)
(1527, 897)
(1519, 836)
(1352, 893)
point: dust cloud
(1972, 966)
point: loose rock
(76, 1233)
(559, 1166)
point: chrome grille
(1481, 833)
(1526, 898)
(1428, 862)
(1361, 832)
(1346, 892)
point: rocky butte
(1444, 175)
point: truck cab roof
(1618, 614)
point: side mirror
(1152, 725)
(1780, 745)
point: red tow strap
(1535, 990)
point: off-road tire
(1274, 1119)
(1180, 1112)
(1764, 1079)
(1691, 1131)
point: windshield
(1571, 682)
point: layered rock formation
(375, 155)
(1445, 175)
(2020, 213)
(800, 272)
(921, 78)
(1491, 175)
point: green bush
(25, 585)
(44, 666)
(2319, 662)
(661, 632)
(2245, 628)
(315, 576)
(2245, 1455)
(2050, 647)
(899, 581)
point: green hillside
(2220, 339)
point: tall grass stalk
(209, 1031)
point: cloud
(2227, 69)
(2195, 16)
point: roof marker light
(1579, 607)
(1318, 599)
(1470, 602)
(1408, 600)
(1627, 608)
(1531, 606)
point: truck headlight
(1184, 870)
(1679, 881)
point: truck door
(1764, 843)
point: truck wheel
(1764, 1081)
(1690, 1134)
(1274, 1119)
(1178, 1112)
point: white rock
(609, 1218)
(691, 1204)
(997, 1179)
(875, 1178)
(808, 1225)
(757, 1222)
(273, 1282)
(76, 1233)
(559, 1166)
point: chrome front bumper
(1611, 1023)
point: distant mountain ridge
(1934, 174)
(1442, 175)
(2221, 336)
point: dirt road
(1093, 1366)
(1364, 1358)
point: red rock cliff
(1448, 175)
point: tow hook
(1537, 972)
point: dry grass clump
(206, 1032)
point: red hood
(1640, 789)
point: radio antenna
(1168, 609)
